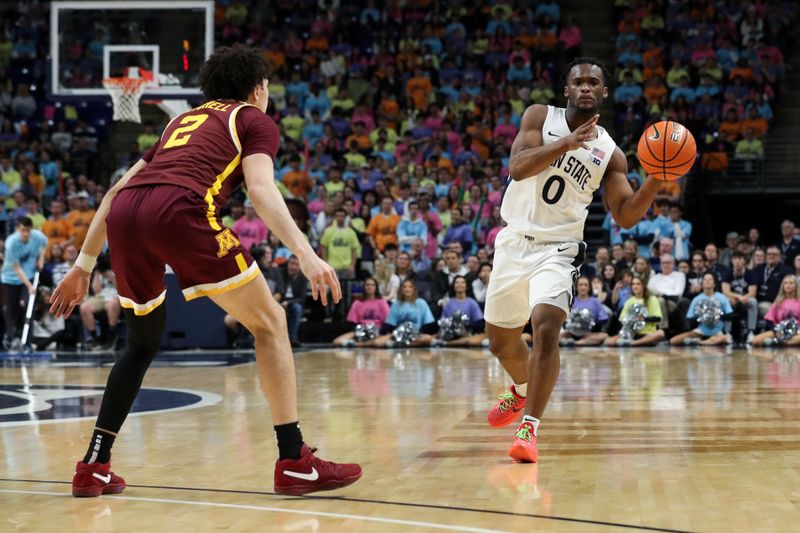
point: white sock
(533, 420)
(521, 390)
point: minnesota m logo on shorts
(226, 240)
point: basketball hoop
(125, 94)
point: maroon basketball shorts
(154, 226)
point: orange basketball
(667, 150)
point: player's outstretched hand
(70, 292)
(321, 276)
(577, 139)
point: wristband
(86, 262)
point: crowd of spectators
(396, 122)
(714, 66)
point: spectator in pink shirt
(250, 229)
(496, 195)
(318, 203)
(373, 309)
(491, 235)
(786, 306)
(571, 38)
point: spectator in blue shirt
(24, 256)
(318, 101)
(683, 90)
(707, 334)
(313, 131)
(628, 93)
(408, 307)
(643, 233)
(706, 87)
(548, 8)
(662, 222)
(631, 54)
(298, 88)
(459, 231)
(411, 228)
(519, 71)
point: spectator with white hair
(668, 285)
(669, 282)
(665, 247)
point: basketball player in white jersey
(559, 158)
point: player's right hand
(584, 132)
(322, 277)
(70, 292)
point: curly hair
(607, 79)
(233, 72)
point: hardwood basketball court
(652, 440)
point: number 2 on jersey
(182, 135)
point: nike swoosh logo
(313, 476)
(553, 134)
(656, 136)
(104, 479)
(562, 249)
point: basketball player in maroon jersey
(165, 210)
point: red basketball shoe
(312, 474)
(507, 409)
(90, 481)
(524, 447)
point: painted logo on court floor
(42, 404)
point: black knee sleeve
(125, 379)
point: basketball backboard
(92, 40)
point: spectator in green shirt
(148, 137)
(293, 123)
(340, 246)
(748, 149)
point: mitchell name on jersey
(552, 205)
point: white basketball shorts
(526, 273)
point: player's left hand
(70, 292)
(321, 276)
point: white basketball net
(125, 94)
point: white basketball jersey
(552, 205)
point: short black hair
(233, 72)
(340, 210)
(587, 60)
(25, 222)
(737, 253)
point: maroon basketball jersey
(202, 150)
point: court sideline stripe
(386, 502)
(343, 516)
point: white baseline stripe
(343, 516)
